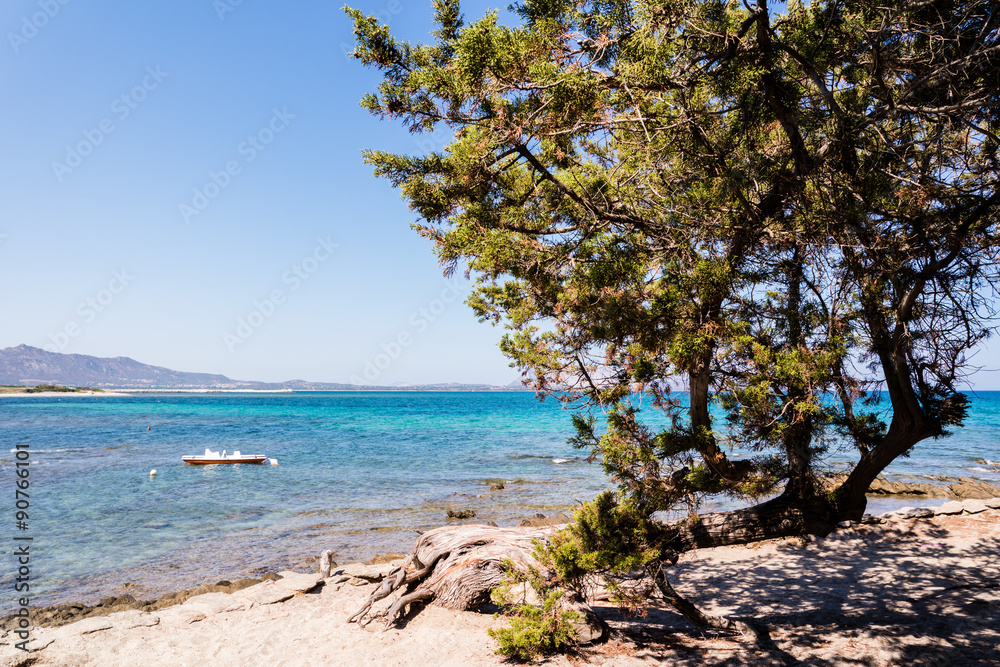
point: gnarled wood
(469, 560)
(458, 566)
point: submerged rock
(388, 557)
(541, 520)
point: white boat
(211, 458)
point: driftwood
(326, 563)
(457, 567)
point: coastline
(912, 587)
(171, 574)
(62, 394)
(339, 486)
(177, 571)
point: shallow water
(359, 473)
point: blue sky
(115, 114)
(182, 184)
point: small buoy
(152, 473)
(148, 428)
(274, 462)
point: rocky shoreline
(969, 489)
(57, 615)
(954, 488)
(913, 586)
(70, 612)
(64, 614)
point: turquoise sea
(359, 473)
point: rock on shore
(64, 614)
(914, 587)
(959, 488)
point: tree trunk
(458, 566)
(784, 516)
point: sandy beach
(61, 394)
(913, 588)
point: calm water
(359, 473)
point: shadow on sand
(903, 593)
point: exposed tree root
(397, 606)
(456, 567)
(390, 583)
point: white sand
(907, 592)
(62, 394)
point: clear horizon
(184, 186)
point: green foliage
(783, 208)
(534, 630)
(38, 388)
(605, 536)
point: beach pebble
(916, 513)
(845, 524)
(953, 507)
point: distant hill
(30, 365)
(26, 365)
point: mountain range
(26, 365)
